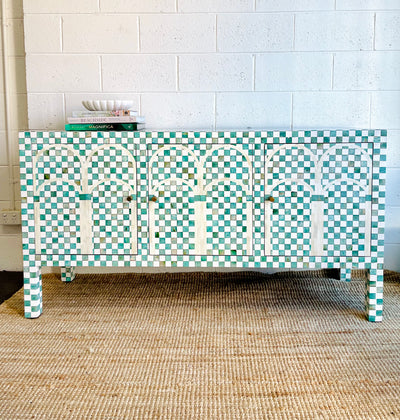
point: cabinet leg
(345, 274)
(67, 274)
(33, 303)
(374, 295)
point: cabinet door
(318, 199)
(57, 183)
(200, 199)
(85, 199)
(112, 189)
(346, 172)
(290, 189)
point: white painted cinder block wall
(13, 48)
(217, 64)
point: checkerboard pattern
(289, 161)
(347, 180)
(290, 221)
(33, 301)
(258, 199)
(290, 172)
(203, 193)
(229, 162)
(111, 220)
(112, 162)
(174, 227)
(57, 163)
(67, 274)
(347, 161)
(59, 219)
(345, 220)
(227, 219)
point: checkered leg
(374, 295)
(32, 290)
(345, 273)
(67, 274)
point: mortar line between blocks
(61, 34)
(292, 108)
(215, 110)
(138, 37)
(254, 72)
(216, 33)
(294, 33)
(370, 110)
(64, 104)
(177, 73)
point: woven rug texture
(201, 345)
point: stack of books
(120, 120)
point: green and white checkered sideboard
(251, 199)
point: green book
(105, 127)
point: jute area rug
(201, 346)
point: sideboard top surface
(289, 136)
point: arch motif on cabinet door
(123, 152)
(338, 148)
(84, 185)
(46, 176)
(167, 147)
(298, 174)
(239, 207)
(245, 157)
(163, 179)
(65, 175)
(122, 175)
(287, 147)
